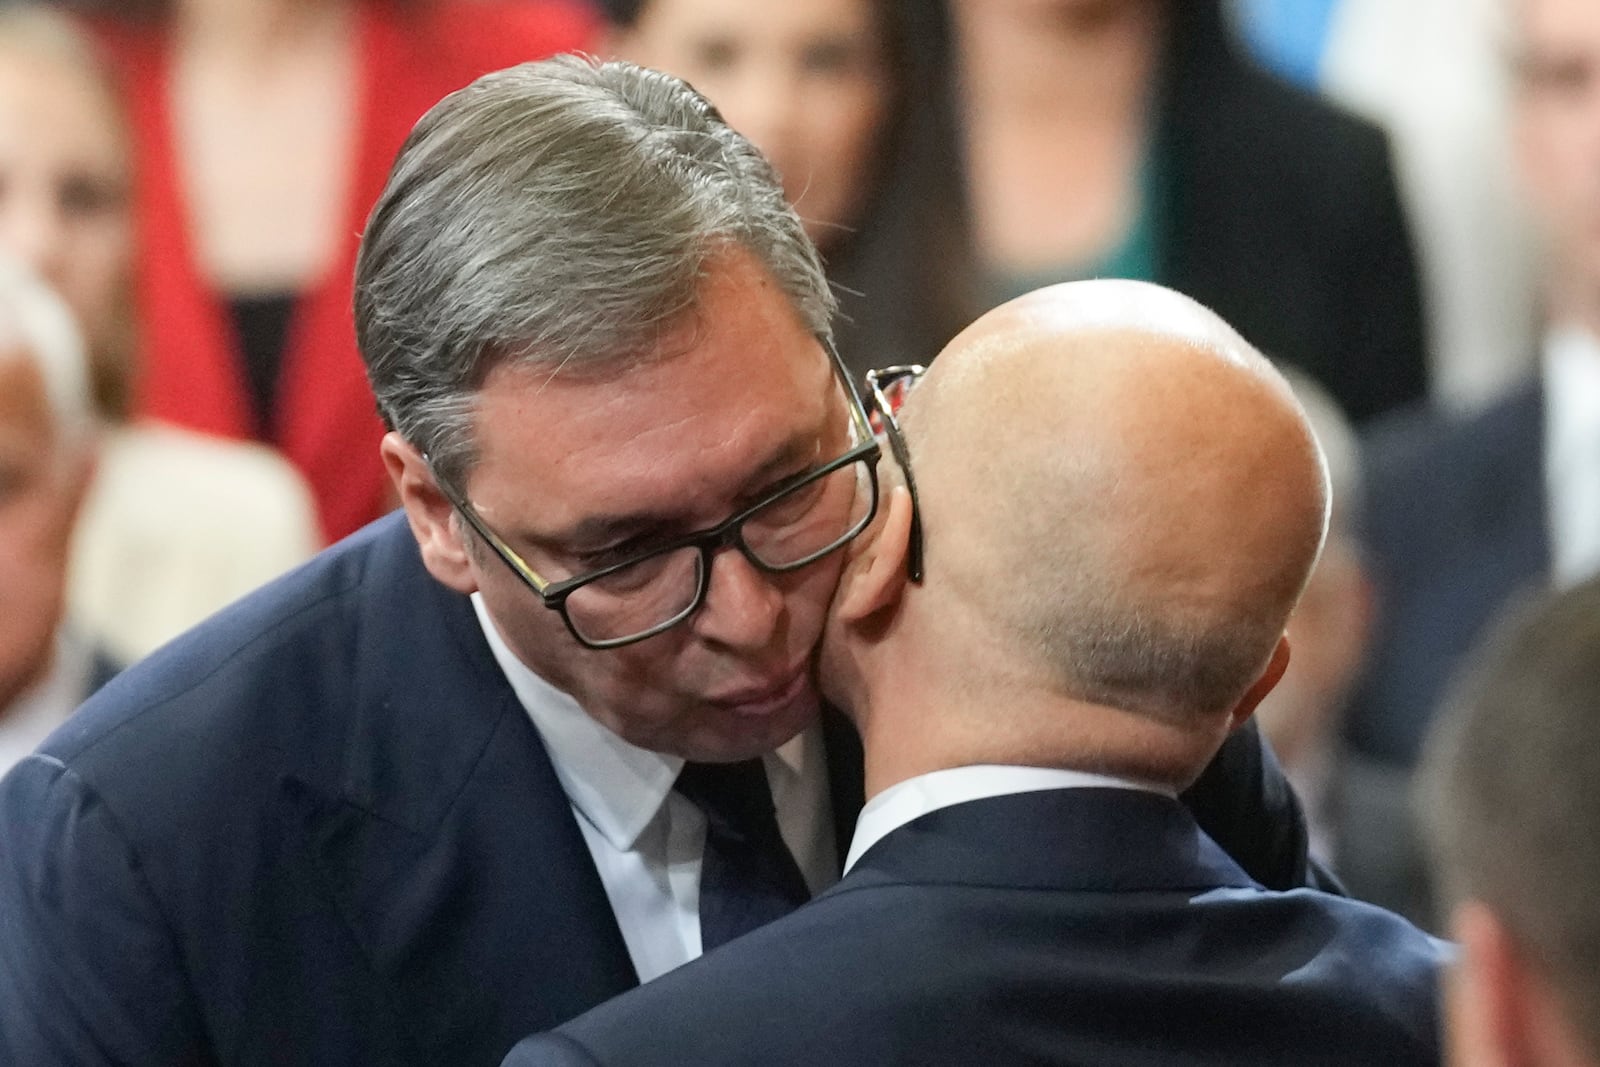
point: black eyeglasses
(644, 594)
(890, 387)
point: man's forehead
(746, 394)
(1541, 29)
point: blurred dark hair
(903, 273)
(1510, 790)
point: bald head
(1121, 491)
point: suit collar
(909, 800)
(1092, 840)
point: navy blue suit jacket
(1456, 521)
(1074, 926)
(320, 829)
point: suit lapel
(446, 841)
(1090, 840)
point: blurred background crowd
(1398, 201)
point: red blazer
(191, 371)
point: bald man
(1116, 505)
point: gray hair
(556, 213)
(1510, 792)
(36, 326)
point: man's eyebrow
(600, 530)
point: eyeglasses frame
(879, 382)
(726, 534)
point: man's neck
(1574, 305)
(912, 730)
(246, 31)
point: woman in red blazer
(264, 130)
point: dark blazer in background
(1285, 219)
(321, 829)
(1456, 524)
(1076, 926)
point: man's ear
(430, 513)
(1491, 1011)
(875, 577)
(1262, 686)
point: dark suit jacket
(1074, 926)
(321, 829)
(1456, 522)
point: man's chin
(726, 737)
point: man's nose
(743, 604)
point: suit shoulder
(258, 677)
(1423, 453)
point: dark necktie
(747, 876)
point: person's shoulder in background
(177, 525)
(1455, 522)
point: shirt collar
(616, 786)
(915, 797)
(1572, 385)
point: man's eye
(611, 555)
(1563, 74)
(84, 196)
(795, 503)
(12, 483)
(833, 57)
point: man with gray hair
(1040, 655)
(47, 450)
(1510, 798)
(554, 730)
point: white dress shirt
(915, 797)
(1572, 452)
(647, 840)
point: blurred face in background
(41, 486)
(808, 82)
(64, 196)
(1328, 633)
(1557, 129)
